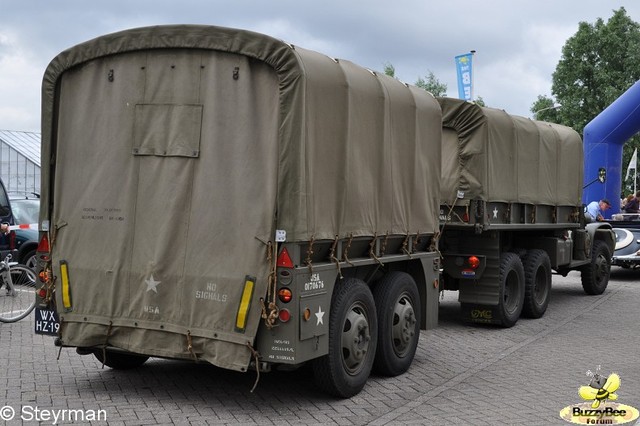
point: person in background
(595, 210)
(633, 205)
(4, 237)
(625, 200)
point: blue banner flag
(464, 68)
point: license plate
(47, 322)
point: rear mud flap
(480, 314)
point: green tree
(479, 101)
(389, 69)
(599, 63)
(544, 109)
(432, 84)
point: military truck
(221, 196)
(217, 195)
(511, 213)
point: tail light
(285, 295)
(45, 293)
(284, 315)
(43, 248)
(473, 262)
(44, 276)
(469, 265)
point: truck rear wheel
(398, 308)
(537, 283)
(353, 333)
(119, 360)
(595, 275)
(511, 297)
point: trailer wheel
(595, 275)
(398, 308)
(353, 332)
(120, 361)
(537, 283)
(511, 289)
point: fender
(602, 231)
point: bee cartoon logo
(600, 389)
(598, 408)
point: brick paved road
(461, 375)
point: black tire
(511, 281)
(595, 275)
(353, 333)
(398, 310)
(119, 360)
(537, 283)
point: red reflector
(284, 315)
(465, 217)
(43, 247)
(473, 262)
(284, 260)
(285, 295)
(42, 293)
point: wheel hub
(540, 289)
(355, 340)
(403, 325)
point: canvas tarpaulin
(177, 151)
(494, 156)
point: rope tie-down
(106, 342)
(190, 346)
(269, 308)
(334, 259)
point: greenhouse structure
(20, 161)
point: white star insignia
(320, 316)
(495, 212)
(152, 284)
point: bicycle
(17, 290)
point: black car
(627, 229)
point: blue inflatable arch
(604, 138)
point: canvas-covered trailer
(174, 155)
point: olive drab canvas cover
(172, 154)
(490, 155)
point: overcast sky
(518, 43)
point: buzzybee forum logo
(599, 408)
